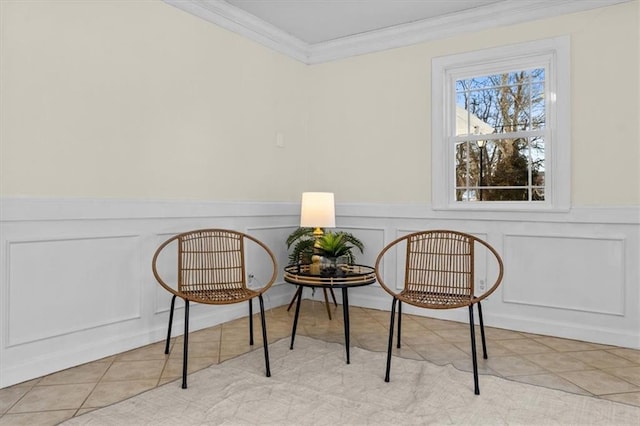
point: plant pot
(332, 266)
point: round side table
(343, 277)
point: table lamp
(317, 211)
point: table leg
(326, 302)
(295, 318)
(293, 299)
(345, 311)
(333, 296)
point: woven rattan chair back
(211, 269)
(211, 266)
(439, 269)
(439, 273)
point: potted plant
(333, 245)
(330, 244)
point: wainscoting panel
(274, 237)
(76, 282)
(573, 275)
(556, 272)
(51, 277)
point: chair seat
(434, 300)
(220, 296)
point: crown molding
(505, 12)
(234, 19)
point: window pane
(500, 169)
(537, 106)
(538, 75)
(486, 152)
(512, 194)
(466, 195)
(538, 162)
(462, 167)
(498, 103)
(468, 115)
(508, 163)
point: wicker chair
(439, 273)
(211, 269)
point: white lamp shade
(318, 210)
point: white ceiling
(315, 31)
(317, 21)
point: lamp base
(316, 258)
(314, 268)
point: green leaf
(332, 244)
(298, 234)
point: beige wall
(375, 110)
(138, 99)
(141, 100)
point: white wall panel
(73, 284)
(257, 261)
(590, 268)
(76, 281)
(565, 272)
(373, 239)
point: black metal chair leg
(251, 322)
(473, 352)
(484, 342)
(185, 353)
(264, 336)
(393, 314)
(173, 303)
(399, 321)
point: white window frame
(551, 53)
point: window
(501, 135)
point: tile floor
(584, 368)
